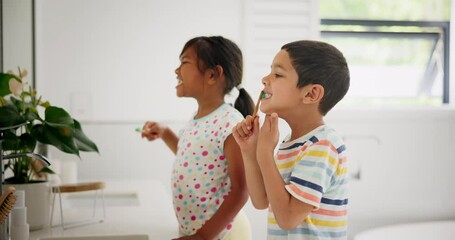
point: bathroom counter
(440, 230)
(150, 214)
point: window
(397, 51)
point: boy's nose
(264, 80)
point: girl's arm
(171, 139)
(289, 211)
(236, 198)
(154, 130)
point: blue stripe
(341, 148)
(306, 231)
(334, 201)
(314, 139)
(321, 165)
(294, 146)
(307, 184)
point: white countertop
(440, 230)
(153, 215)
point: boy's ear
(214, 74)
(312, 93)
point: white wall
(112, 66)
(17, 36)
(406, 160)
(115, 59)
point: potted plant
(41, 123)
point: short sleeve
(227, 122)
(313, 172)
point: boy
(304, 186)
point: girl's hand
(246, 133)
(269, 134)
(152, 130)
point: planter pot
(37, 201)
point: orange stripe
(342, 160)
(304, 194)
(331, 212)
(287, 155)
(328, 144)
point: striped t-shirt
(314, 170)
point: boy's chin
(266, 110)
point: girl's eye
(277, 75)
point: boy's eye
(277, 75)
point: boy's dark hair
(320, 63)
(217, 50)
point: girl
(209, 187)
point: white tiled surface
(153, 216)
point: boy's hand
(152, 130)
(246, 133)
(269, 134)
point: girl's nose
(177, 70)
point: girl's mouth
(180, 82)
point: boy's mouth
(266, 95)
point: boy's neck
(301, 126)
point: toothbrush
(256, 108)
(138, 129)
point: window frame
(444, 27)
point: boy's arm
(255, 183)
(289, 211)
(246, 135)
(235, 199)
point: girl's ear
(214, 74)
(312, 93)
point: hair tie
(239, 87)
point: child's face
(280, 87)
(190, 79)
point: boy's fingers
(249, 121)
(274, 122)
(256, 124)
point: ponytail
(244, 103)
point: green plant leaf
(82, 141)
(10, 116)
(46, 170)
(4, 83)
(27, 142)
(10, 141)
(31, 115)
(58, 117)
(60, 137)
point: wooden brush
(7, 201)
(256, 108)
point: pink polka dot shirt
(200, 178)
